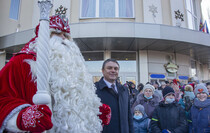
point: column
(143, 67)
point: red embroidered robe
(16, 85)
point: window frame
(97, 10)
(11, 10)
(192, 13)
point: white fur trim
(10, 115)
(12, 124)
(33, 67)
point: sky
(205, 8)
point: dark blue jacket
(200, 116)
(142, 125)
(169, 116)
(121, 118)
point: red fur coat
(16, 86)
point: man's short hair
(109, 60)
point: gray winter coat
(149, 104)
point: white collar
(109, 84)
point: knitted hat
(168, 90)
(148, 86)
(189, 94)
(188, 88)
(140, 108)
(208, 83)
(201, 88)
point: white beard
(75, 105)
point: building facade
(151, 39)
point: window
(88, 8)
(128, 68)
(107, 9)
(191, 14)
(14, 9)
(127, 61)
(94, 61)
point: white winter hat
(148, 86)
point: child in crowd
(168, 116)
(148, 99)
(200, 111)
(187, 99)
(140, 120)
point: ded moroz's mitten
(105, 115)
(36, 118)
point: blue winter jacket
(200, 117)
(142, 125)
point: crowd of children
(170, 107)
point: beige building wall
(153, 61)
(184, 64)
(156, 61)
(2, 59)
(29, 14)
(9, 26)
(143, 66)
(205, 72)
(139, 12)
(166, 12)
(199, 70)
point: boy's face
(171, 96)
(202, 96)
(137, 113)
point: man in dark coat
(117, 97)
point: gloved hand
(36, 118)
(105, 115)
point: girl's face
(137, 113)
(148, 92)
(202, 96)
